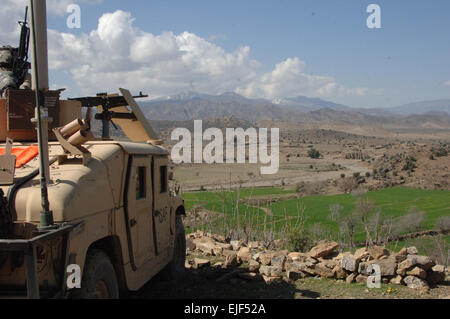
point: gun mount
(113, 109)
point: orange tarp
(23, 155)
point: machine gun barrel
(107, 102)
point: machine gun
(106, 115)
(14, 63)
(20, 63)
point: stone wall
(403, 268)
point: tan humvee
(114, 214)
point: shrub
(410, 164)
(441, 151)
(411, 222)
(443, 223)
(313, 153)
(298, 239)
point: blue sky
(407, 60)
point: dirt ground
(341, 154)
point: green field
(391, 202)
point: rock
(254, 244)
(397, 280)
(223, 245)
(378, 251)
(363, 268)
(415, 283)
(418, 272)
(423, 262)
(349, 263)
(412, 250)
(249, 276)
(205, 247)
(339, 272)
(231, 261)
(298, 256)
(200, 263)
(270, 271)
(295, 275)
(236, 244)
(200, 234)
(278, 261)
(350, 278)
(218, 264)
(401, 255)
(244, 250)
(244, 254)
(190, 244)
(266, 258)
(388, 266)
(218, 251)
(219, 238)
(436, 275)
(329, 263)
(271, 280)
(361, 279)
(323, 271)
(187, 265)
(304, 267)
(404, 266)
(256, 256)
(341, 255)
(228, 252)
(361, 253)
(323, 249)
(311, 260)
(253, 265)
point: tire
(99, 278)
(175, 269)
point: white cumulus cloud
(289, 78)
(119, 54)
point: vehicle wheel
(175, 270)
(99, 277)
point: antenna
(46, 217)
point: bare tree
(348, 226)
(335, 211)
(347, 184)
(363, 208)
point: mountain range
(193, 105)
